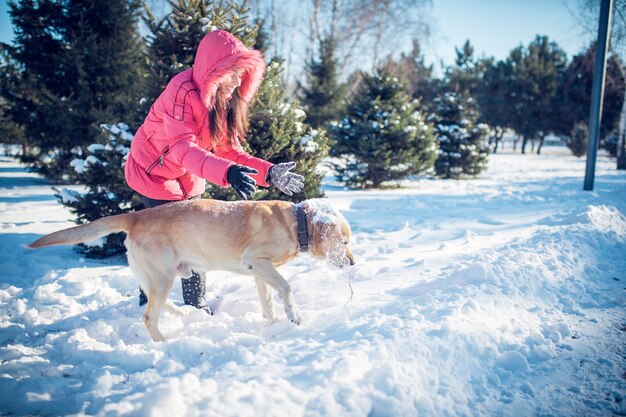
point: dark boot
(193, 291)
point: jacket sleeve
(237, 155)
(184, 151)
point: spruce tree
(322, 96)
(262, 39)
(10, 131)
(573, 96)
(491, 96)
(173, 40)
(462, 140)
(463, 76)
(383, 135)
(577, 140)
(80, 64)
(100, 168)
(533, 75)
(32, 58)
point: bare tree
(364, 31)
(372, 28)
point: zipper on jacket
(159, 160)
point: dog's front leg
(265, 296)
(151, 316)
(263, 269)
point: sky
(6, 29)
(494, 27)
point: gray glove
(287, 182)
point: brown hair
(228, 117)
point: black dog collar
(303, 230)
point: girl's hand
(287, 182)
(242, 183)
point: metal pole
(597, 92)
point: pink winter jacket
(171, 154)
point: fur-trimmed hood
(219, 55)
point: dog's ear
(325, 230)
(317, 231)
(322, 238)
(315, 234)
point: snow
(95, 147)
(119, 129)
(284, 108)
(500, 296)
(69, 196)
(79, 165)
(299, 113)
(308, 141)
(323, 211)
(127, 136)
(91, 160)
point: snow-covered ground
(501, 296)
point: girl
(193, 133)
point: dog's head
(329, 233)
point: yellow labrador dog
(245, 237)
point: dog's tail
(86, 232)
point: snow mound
(512, 361)
(606, 219)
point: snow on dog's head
(329, 232)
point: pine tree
(383, 136)
(173, 40)
(10, 131)
(463, 76)
(533, 81)
(573, 98)
(34, 69)
(80, 67)
(491, 96)
(577, 140)
(102, 171)
(322, 96)
(262, 39)
(462, 140)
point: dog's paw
(271, 317)
(157, 336)
(295, 317)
